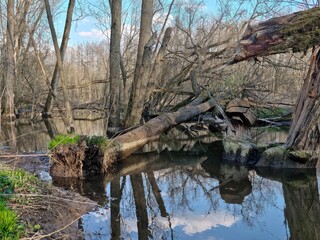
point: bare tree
(115, 62)
(60, 55)
(9, 78)
(143, 66)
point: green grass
(14, 181)
(272, 112)
(62, 140)
(9, 226)
(100, 141)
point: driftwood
(69, 160)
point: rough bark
(299, 31)
(139, 94)
(115, 63)
(304, 133)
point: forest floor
(48, 212)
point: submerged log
(65, 165)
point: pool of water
(181, 195)
(179, 188)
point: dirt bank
(52, 212)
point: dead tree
(298, 32)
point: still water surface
(181, 189)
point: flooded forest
(159, 119)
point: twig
(50, 234)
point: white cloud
(93, 33)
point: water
(175, 195)
(186, 191)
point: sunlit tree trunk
(115, 63)
(59, 55)
(9, 77)
(142, 70)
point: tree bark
(299, 31)
(304, 133)
(133, 117)
(115, 64)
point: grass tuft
(63, 140)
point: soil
(57, 211)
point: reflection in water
(23, 136)
(186, 195)
(165, 196)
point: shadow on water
(181, 195)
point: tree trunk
(115, 58)
(133, 117)
(59, 55)
(62, 50)
(304, 133)
(9, 78)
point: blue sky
(86, 30)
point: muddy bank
(57, 211)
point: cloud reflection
(193, 223)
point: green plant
(14, 181)
(63, 140)
(9, 227)
(98, 140)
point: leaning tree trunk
(299, 31)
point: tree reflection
(141, 205)
(302, 205)
(115, 194)
(208, 194)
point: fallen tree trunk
(70, 160)
(298, 31)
